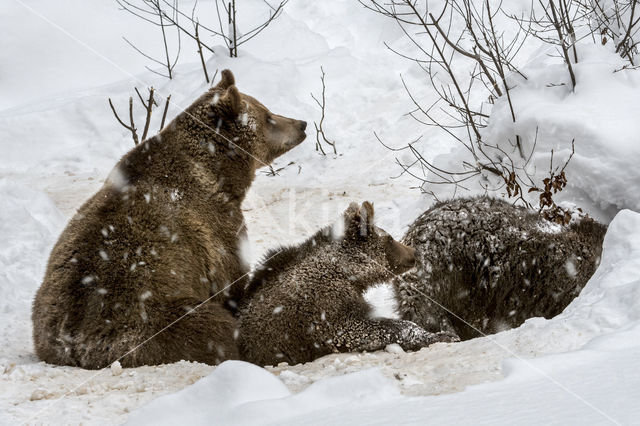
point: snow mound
(600, 115)
(239, 393)
(611, 298)
(29, 226)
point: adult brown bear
(484, 265)
(162, 237)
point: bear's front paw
(413, 337)
(417, 338)
(445, 336)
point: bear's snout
(302, 125)
(401, 257)
(409, 258)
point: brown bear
(142, 271)
(484, 265)
(307, 301)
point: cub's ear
(360, 219)
(367, 209)
(226, 80)
(232, 97)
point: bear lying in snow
(484, 265)
(160, 238)
(306, 301)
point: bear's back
(496, 264)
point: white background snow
(60, 61)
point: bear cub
(484, 265)
(307, 301)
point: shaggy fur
(493, 265)
(159, 238)
(306, 301)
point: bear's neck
(349, 266)
(322, 260)
(221, 155)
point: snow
(601, 115)
(240, 393)
(59, 142)
(29, 226)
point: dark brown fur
(161, 237)
(493, 265)
(306, 301)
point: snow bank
(546, 390)
(29, 226)
(231, 385)
(239, 393)
(611, 298)
(600, 115)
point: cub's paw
(445, 336)
(415, 337)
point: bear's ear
(235, 101)
(360, 219)
(367, 209)
(226, 80)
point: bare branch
(321, 137)
(151, 12)
(164, 112)
(202, 61)
(131, 127)
(148, 105)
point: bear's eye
(271, 121)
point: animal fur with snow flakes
(145, 266)
(484, 265)
(307, 301)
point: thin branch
(202, 61)
(164, 112)
(131, 127)
(320, 134)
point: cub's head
(271, 134)
(376, 246)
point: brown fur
(493, 265)
(306, 301)
(159, 238)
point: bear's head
(271, 134)
(375, 245)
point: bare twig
(131, 127)
(164, 112)
(148, 105)
(321, 137)
(202, 61)
(618, 22)
(276, 172)
(228, 30)
(559, 23)
(151, 12)
(463, 104)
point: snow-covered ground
(60, 61)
